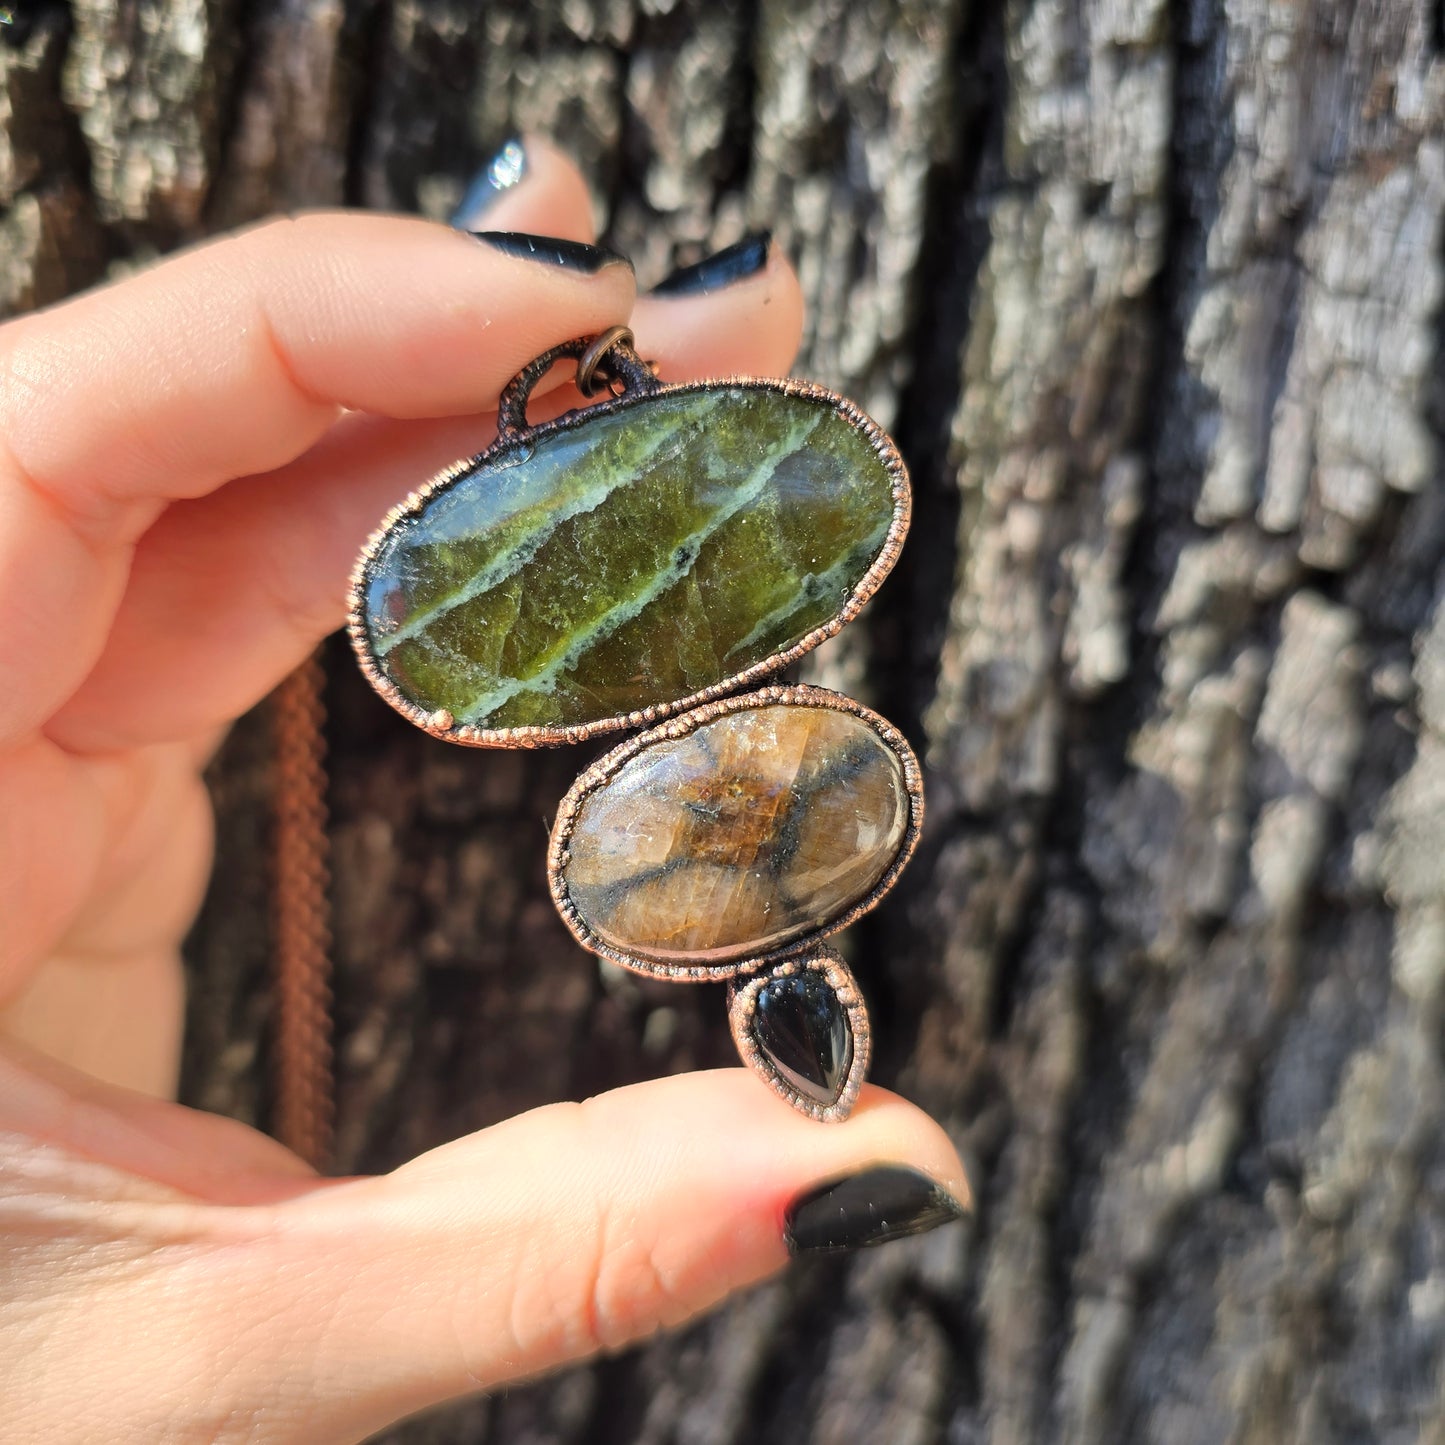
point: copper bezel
(441, 724)
(605, 767)
(742, 1009)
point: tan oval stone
(756, 828)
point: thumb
(568, 1230)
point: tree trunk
(1150, 295)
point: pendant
(637, 562)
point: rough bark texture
(1151, 295)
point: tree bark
(1150, 295)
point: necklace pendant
(635, 563)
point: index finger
(233, 359)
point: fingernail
(870, 1208)
(571, 255)
(17, 22)
(504, 172)
(742, 259)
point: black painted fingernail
(739, 261)
(572, 255)
(17, 22)
(504, 172)
(869, 1208)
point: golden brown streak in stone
(757, 828)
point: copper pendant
(636, 562)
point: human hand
(189, 462)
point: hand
(189, 462)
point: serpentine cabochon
(629, 559)
(758, 827)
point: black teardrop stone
(803, 1029)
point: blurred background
(1150, 296)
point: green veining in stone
(629, 561)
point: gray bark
(1151, 296)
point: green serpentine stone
(628, 561)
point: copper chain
(304, 1080)
(304, 1105)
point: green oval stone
(753, 830)
(628, 560)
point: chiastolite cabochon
(630, 559)
(756, 828)
(733, 831)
